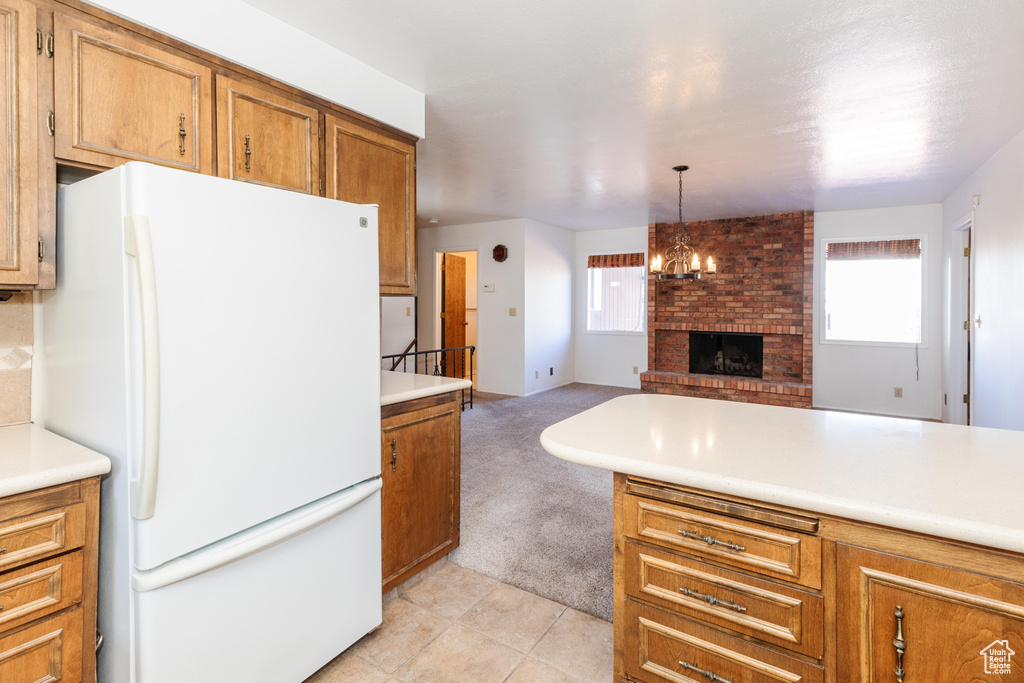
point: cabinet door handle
(710, 675)
(248, 155)
(50, 124)
(181, 133)
(394, 454)
(712, 599)
(711, 540)
(900, 643)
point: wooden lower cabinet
(701, 595)
(952, 625)
(420, 448)
(48, 584)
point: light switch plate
(489, 288)
(512, 311)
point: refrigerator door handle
(252, 541)
(137, 243)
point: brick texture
(764, 286)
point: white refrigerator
(219, 341)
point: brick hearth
(764, 286)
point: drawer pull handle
(900, 643)
(712, 600)
(711, 540)
(711, 676)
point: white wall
(548, 307)
(397, 327)
(602, 357)
(501, 337)
(862, 377)
(243, 34)
(998, 281)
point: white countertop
(396, 387)
(33, 458)
(964, 483)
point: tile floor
(453, 625)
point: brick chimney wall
(764, 286)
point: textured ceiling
(572, 112)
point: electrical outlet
(512, 312)
(536, 374)
(897, 392)
(408, 311)
(636, 370)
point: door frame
(961, 347)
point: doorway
(458, 312)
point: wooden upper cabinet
(951, 625)
(19, 227)
(365, 167)
(119, 99)
(266, 139)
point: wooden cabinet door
(119, 99)
(365, 167)
(266, 139)
(956, 626)
(420, 495)
(19, 227)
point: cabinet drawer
(39, 589)
(777, 614)
(660, 647)
(37, 536)
(50, 651)
(770, 551)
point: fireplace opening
(740, 355)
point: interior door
(453, 314)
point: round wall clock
(500, 253)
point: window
(873, 291)
(616, 293)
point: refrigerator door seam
(254, 540)
(137, 243)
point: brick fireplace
(763, 287)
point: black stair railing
(453, 362)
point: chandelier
(683, 263)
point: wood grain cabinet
(709, 591)
(48, 584)
(930, 622)
(19, 172)
(420, 497)
(365, 167)
(120, 99)
(719, 588)
(266, 139)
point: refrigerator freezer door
(273, 617)
(266, 305)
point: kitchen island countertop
(396, 387)
(951, 481)
(32, 458)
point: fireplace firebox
(713, 353)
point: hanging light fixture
(683, 263)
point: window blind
(880, 249)
(616, 260)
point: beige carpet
(530, 519)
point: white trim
(925, 294)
